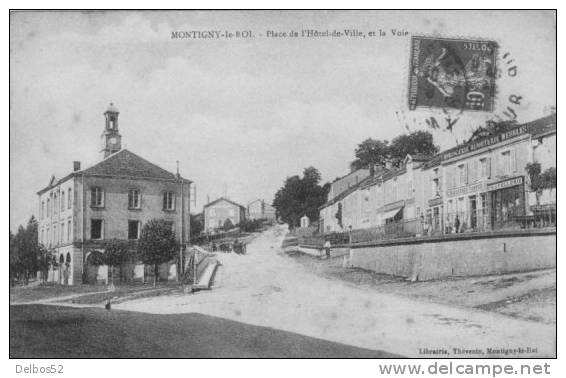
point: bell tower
(110, 138)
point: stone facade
(480, 185)
(218, 211)
(112, 199)
(259, 209)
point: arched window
(61, 259)
(68, 259)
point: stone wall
(481, 254)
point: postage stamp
(452, 73)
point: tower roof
(112, 108)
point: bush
(250, 225)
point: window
(48, 208)
(47, 236)
(96, 229)
(436, 187)
(62, 201)
(41, 240)
(462, 174)
(484, 170)
(42, 210)
(62, 233)
(69, 198)
(55, 204)
(96, 197)
(506, 162)
(168, 201)
(69, 230)
(134, 199)
(133, 230)
(55, 235)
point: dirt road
(266, 288)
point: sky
(241, 115)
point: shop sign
(479, 187)
(506, 184)
(394, 205)
(484, 143)
(435, 202)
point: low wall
(318, 252)
(458, 255)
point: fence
(207, 238)
(479, 220)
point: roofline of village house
(81, 173)
(439, 161)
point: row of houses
(481, 185)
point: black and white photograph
(296, 184)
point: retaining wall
(458, 255)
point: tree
(300, 196)
(24, 251)
(157, 244)
(373, 152)
(228, 225)
(418, 142)
(250, 225)
(370, 152)
(338, 215)
(196, 225)
(540, 181)
(43, 261)
(117, 254)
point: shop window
(69, 198)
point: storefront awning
(392, 213)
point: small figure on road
(456, 224)
(327, 247)
(107, 305)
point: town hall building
(112, 199)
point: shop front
(434, 216)
(466, 209)
(507, 202)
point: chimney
(76, 166)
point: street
(266, 288)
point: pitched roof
(542, 126)
(121, 164)
(223, 199)
(126, 163)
